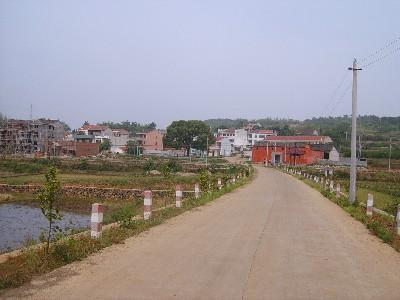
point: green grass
(381, 200)
(33, 261)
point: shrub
(148, 166)
(174, 166)
(165, 170)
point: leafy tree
(105, 145)
(188, 134)
(48, 196)
(285, 130)
(131, 127)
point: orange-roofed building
(293, 149)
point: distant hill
(375, 131)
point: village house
(294, 149)
(99, 132)
(79, 148)
(241, 139)
(119, 137)
(151, 140)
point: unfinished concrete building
(30, 136)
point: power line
(376, 60)
(387, 45)
(340, 99)
(368, 61)
(335, 92)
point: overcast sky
(165, 60)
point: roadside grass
(381, 200)
(33, 261)
(386, 195)
(380, 225)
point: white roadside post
(338, 190)
(96, 220)
(196, 190)
(398, 220)
(147, 203)
(219, 183)
(178, 195)
(370, 204)
(233, 179)
(331, 186)
(326, 173)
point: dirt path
(276, 238)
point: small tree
(205, 181)
(48, 197)
(105, 145)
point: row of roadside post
(98, 208)
(329, 185)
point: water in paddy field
(21, 222)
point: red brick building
(78, 149)
(292, 149)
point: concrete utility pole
(207, 153)
(353, 169)
(390, 152)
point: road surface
(275, 238)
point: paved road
(276, 238)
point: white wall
(240, 138)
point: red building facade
(301, 150)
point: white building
(259, 135)
(240, 140)
(225, 147)
(334, 154)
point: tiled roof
(265, 131)
(294, 138)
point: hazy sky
(165, 60)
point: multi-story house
(30, 136)
(99, 132)
(119, 137)
(151, 140)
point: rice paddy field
(160, 175)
